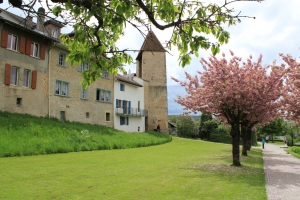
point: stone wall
(154, 73)
(77, 109)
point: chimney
(40, 19)
(29, 18)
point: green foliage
(23, 135)
(276, 127)
(98, 26)
(203, 118)
(208, 127)
(173, 118)
(186, 126)
(221, 134)
(296, 149)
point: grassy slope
(181, 169)
(23, 135)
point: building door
(146, 124)
(62, 116)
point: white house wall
(134, 94)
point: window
(118, 103)
(84, 94)
(84, 66)
(35, 49)
(105, 74)
(103, 95)
(61, 88)
(124, 120)
(122, 87)
(14, 75)
(19, 101)
(12, 42)
(26, 78)
(55, 32)
(87, 114)
(139, 106)
(107, 117)
(62, 59)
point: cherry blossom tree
(292, 85)
(240, 92)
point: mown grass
(23, 135)
(181, 169)
(295, 151)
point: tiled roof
(20, 20)
(127, 79)
(151, 43)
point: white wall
(134, 94)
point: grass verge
(181, 169)
(23, 135)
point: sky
(275, 29)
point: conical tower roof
(151, 43)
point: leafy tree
(203, 118)
(99, 24)
(273, 128)
(221, 134)
(208, 127)
(173, 118)
(186, 126)
(236, 90)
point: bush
(221, 134)
(186, 126)
(296, 149)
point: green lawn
(181, 169)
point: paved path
(282, 173)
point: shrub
(221, 134)
(186, 126)
(296, 149)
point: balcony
(131, 112)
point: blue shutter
(129, 106)
(121, 120)
(117, 103)
(120, 86)
(124, 108)
(127, 120)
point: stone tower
(151, 67)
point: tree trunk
(249, 137)
(235, 134)
(245, 138)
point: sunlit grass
(23, 135)
(181, 169)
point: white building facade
(129, 103)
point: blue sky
(275, 29)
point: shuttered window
(61, 88)
(7, 73)
(26, 78)
(34, 79)
(84, 94)
(4, 36)
(22, 45)
(14, 75)
(12, 42)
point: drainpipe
(49, 79)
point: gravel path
(282, 173)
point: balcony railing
(132, 112)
